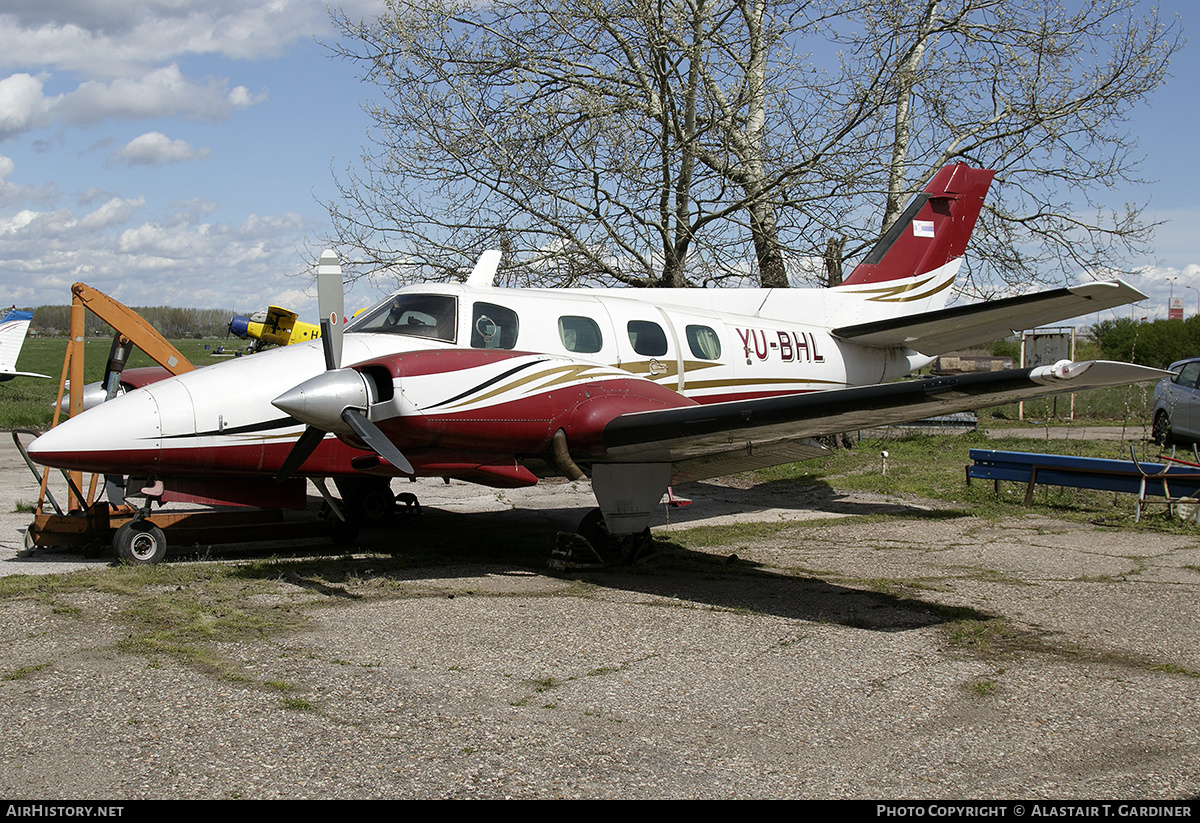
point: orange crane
(131, 330)
(99, 518)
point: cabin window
(647, 338)
(580, 335)
(704, 342)
(493, 327)
(413, 315)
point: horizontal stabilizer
(946, 330)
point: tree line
(170, 321)
(1157, 344)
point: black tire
(140, 543)
(376, 506)
(614, 550)
(1161, 431)
(369, 501)
(592, 529)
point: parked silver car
(1176, 406)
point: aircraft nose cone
(319, 402)
(122, 436)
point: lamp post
(1197, 291)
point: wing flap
(946, 330)
(708, 441)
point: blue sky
(178, 153)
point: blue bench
(1172, 481)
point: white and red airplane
(639, 390)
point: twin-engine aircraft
(640, 390)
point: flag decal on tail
(923, 228)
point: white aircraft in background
(639, 390)
(13, 329)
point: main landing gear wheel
(369, 501)
(595, 547)
(140, 543)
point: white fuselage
(708, 346)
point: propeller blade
(331, 304)
(305, 446)
(331, 357)
(377, 440)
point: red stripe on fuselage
(441, 361)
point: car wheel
(1162, 429)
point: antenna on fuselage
(484, 273)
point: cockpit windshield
(415, 315)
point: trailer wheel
(140, 543)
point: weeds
(23, 672)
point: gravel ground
(917, 655)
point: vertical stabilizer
(12, 337)
(931, 232)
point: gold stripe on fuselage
(557, 376)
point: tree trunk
(833, 260)
(772, 273)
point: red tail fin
(932, 231)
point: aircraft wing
(711, 440)
(9, 375)
(951, 329)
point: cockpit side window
(434, 316)
(493, 327)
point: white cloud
(114, 212)
(1160, 283)
(160, 92)
(184, 259)
(74, 64)
(111, 38)
(23, 105)
(12, 194)
(155, 149)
